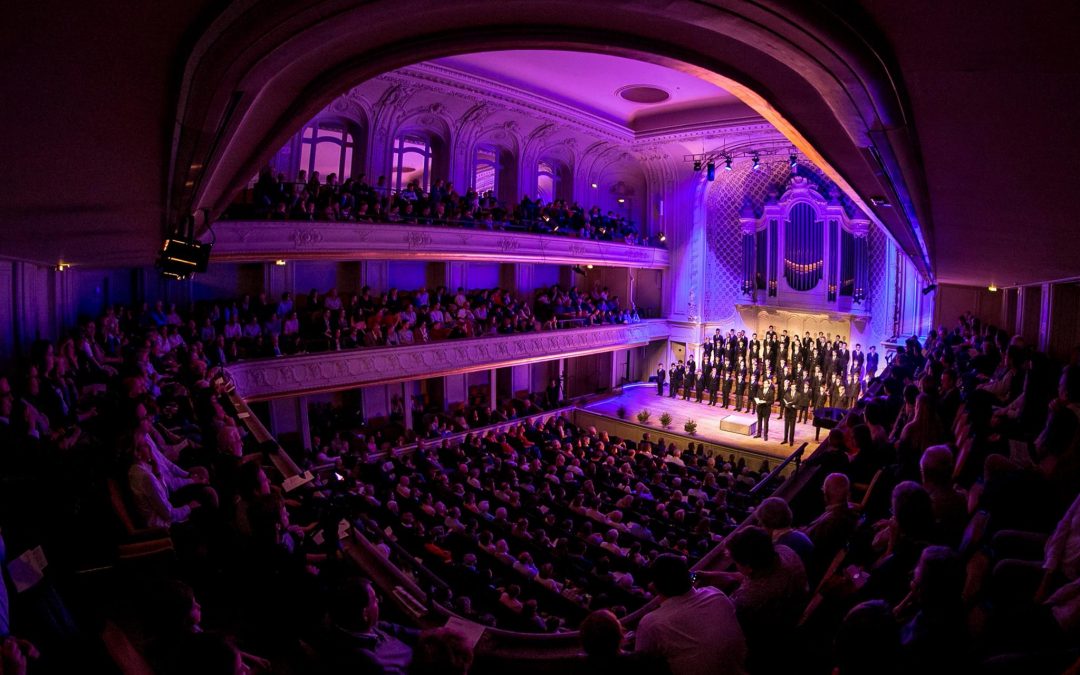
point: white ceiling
(590, 82)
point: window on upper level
(546, 180)
(486, 171)
(327, 147)
(412, 159)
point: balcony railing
(266, 240)
(265, 379)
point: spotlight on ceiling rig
(727, 163)
(793, 162)
(757, 162)
(710, 171)
(697, 165)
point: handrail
(538, 226)
(793, 457)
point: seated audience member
(182, 619)
(694, 629)
(949, 503)
(936, 639)
(868, 641)
(904, 535)
(830, 530)
(356, 641)
(602, 637)
(771, 594)
(775, 516)
(150, 494)
(441, 651)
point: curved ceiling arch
(261, 72)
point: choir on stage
(799, 374)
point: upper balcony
(264, 379)
(267, 240)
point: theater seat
(140, 542)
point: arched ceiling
(603, 85)
(126, 116)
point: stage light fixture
(63, 266)
(793, 162)
(992, 288)
(697, 165)
(710, 171)
(757, 162)
(621, 200)
(594, 185)
(727, 164)
(182, 257)
(663, 237)
(279, 263)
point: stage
(638, 397)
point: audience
(354, 200)
(954, 544)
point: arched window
(327, 147)
(411, 161)
(486, 170)
(546, 181)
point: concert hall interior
(612, 336)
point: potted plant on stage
(665, 420)
(621, 412)
(690, 427)
(643, 416)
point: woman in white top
(150, 493)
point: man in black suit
(763, 400)
(843, 358)
(802, 401)
(755, 347)
(714, 385)
(691, 367)
(741, 386)
(700, 385)
(858, 362)
(871, 362)
(675, 379)
(790, 403)
(729, 384)
(661, 375)
(706, 348)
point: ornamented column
(748, 227)
(861, 230)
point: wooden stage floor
(637, 397)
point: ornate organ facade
(805, 250)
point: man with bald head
(830, 531)
(950, 504)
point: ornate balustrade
(334, 371)
(265, 240)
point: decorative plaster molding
(264, 241)
(334, 371)
(477, 88)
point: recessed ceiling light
(642, 93)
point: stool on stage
(827, 418)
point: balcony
(265, 240)
(266, 379)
